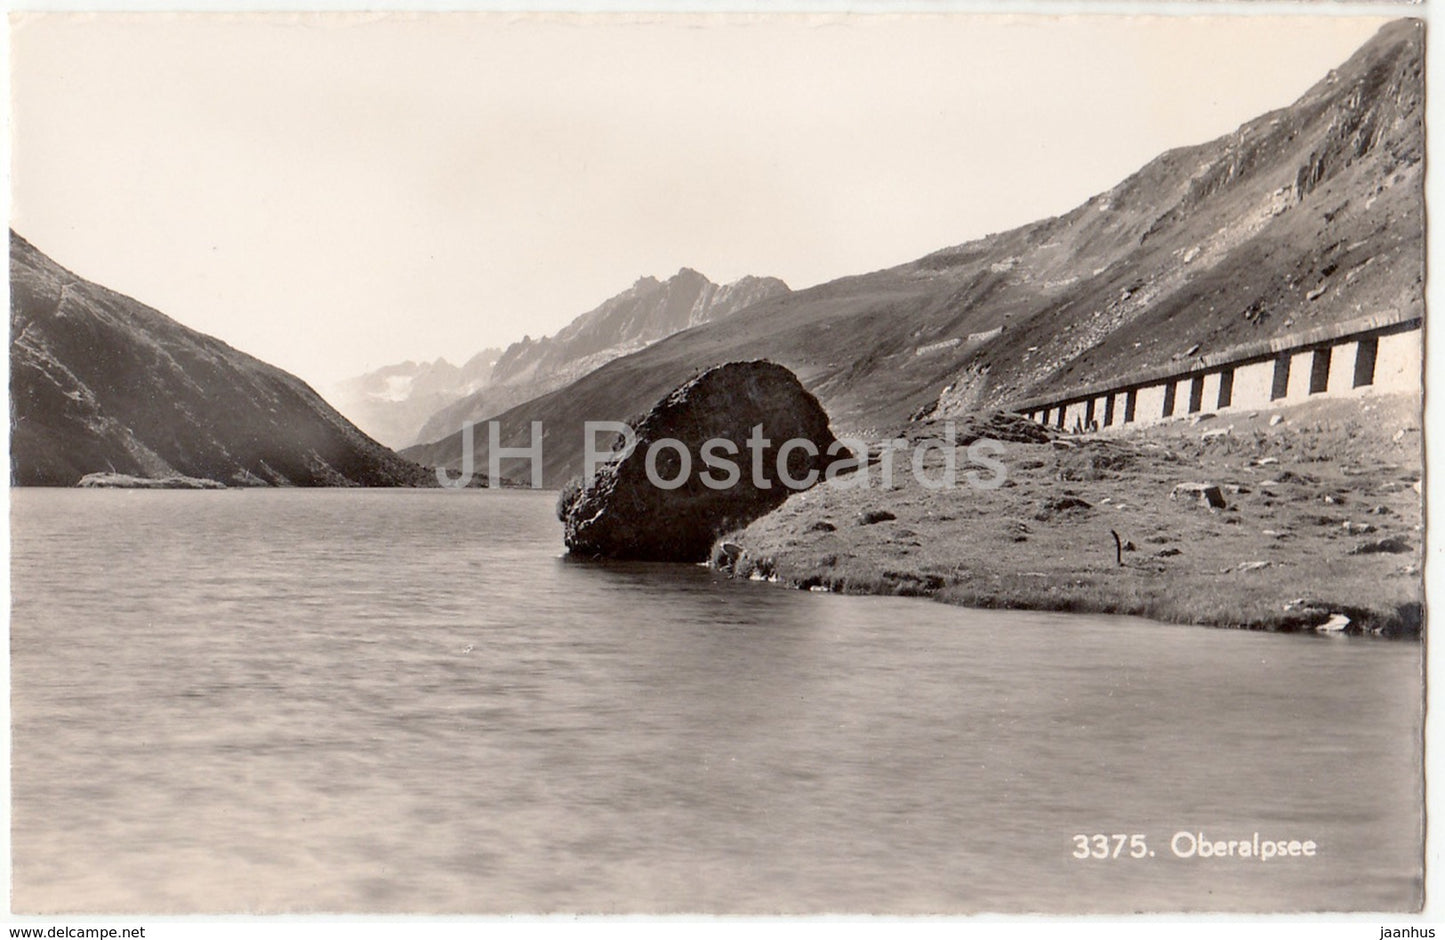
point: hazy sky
(332, 193)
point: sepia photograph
(740, 464)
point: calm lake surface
(406, 701)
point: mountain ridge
(102, 383)
(649, 310)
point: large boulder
(623, 512)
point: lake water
(376, 701)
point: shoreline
(1319, 531)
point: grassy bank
(1321, 523)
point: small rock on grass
(1394, 545)
(1206, 493)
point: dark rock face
(103, 384)
(621, 513)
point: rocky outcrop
(120, 481)
(100, 383)
(676, 511)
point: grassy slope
(1336, 462)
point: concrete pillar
(1342, 368)
(1299, 376)
(1252, 384)
(1210, 402)
(1149, 405)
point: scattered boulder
(1097, 460)
(822, 526)
(1057, 506)
(1357, 528)
(874, 516)
(1168, 552)
(1253, 566)
(1275, 419)
(621, 513)
(1200, 493)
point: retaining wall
(1368, 356)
